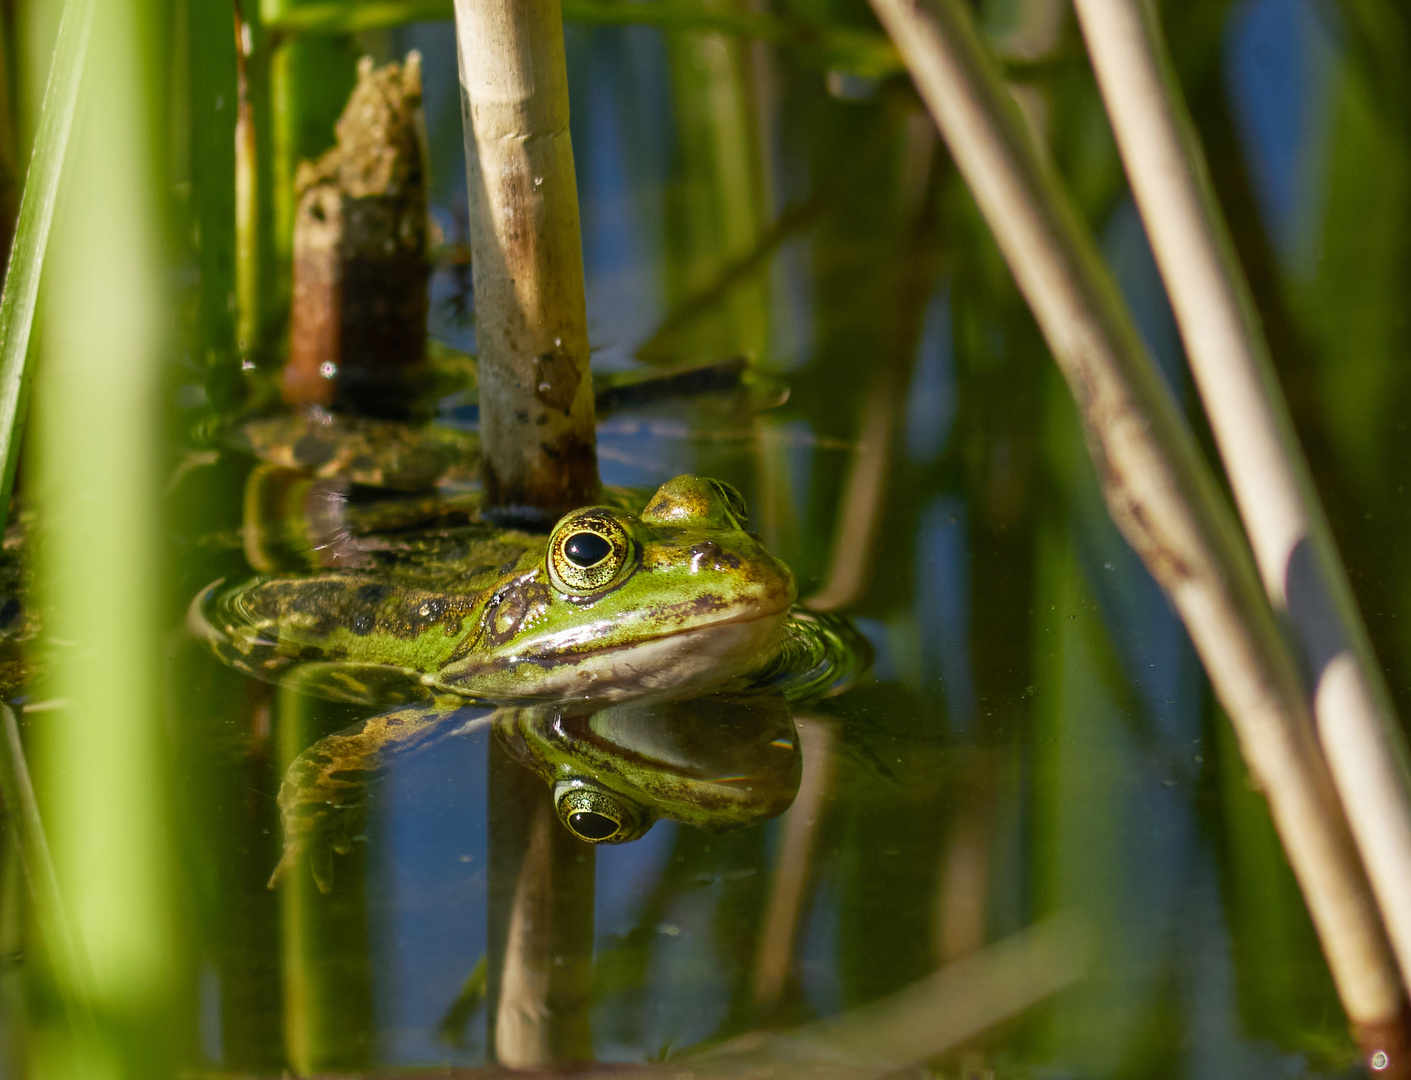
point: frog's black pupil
(586, 549)
(592, 826)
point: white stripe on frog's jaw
(669, 666)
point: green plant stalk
(214, 104)
(101, 765)
(256, 264)
(716, 209)
(41, 191)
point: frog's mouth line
(694, 662)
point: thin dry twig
(1229, 359)
(1159, 490)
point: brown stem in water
(357, 325)
(536, 393)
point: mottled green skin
(475, 612)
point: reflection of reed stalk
(541, 924)
(1229, 360)
(795, 867)
(325, 948)
(1158, 489)
(536, 395)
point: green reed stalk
(310, 80)
(256, 264)
(716, 211)
(214, 103)
(101, 769)
(41, 191)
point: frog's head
(676, 601)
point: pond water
(1033, 782)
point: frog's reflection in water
(716, 762)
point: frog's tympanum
(671, 604)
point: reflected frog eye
(597, 816)
(587, 554)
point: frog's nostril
(707, 551)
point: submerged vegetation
(1026, 844)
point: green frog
(613, 610)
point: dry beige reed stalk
(1158, 489)
(1229, 359)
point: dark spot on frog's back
(363, 624)
(372, 593)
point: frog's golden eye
(596, 815)
(587, 554)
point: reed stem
(1158, 489)
(1230, 362)
(536, 393)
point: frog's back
(408, 608)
